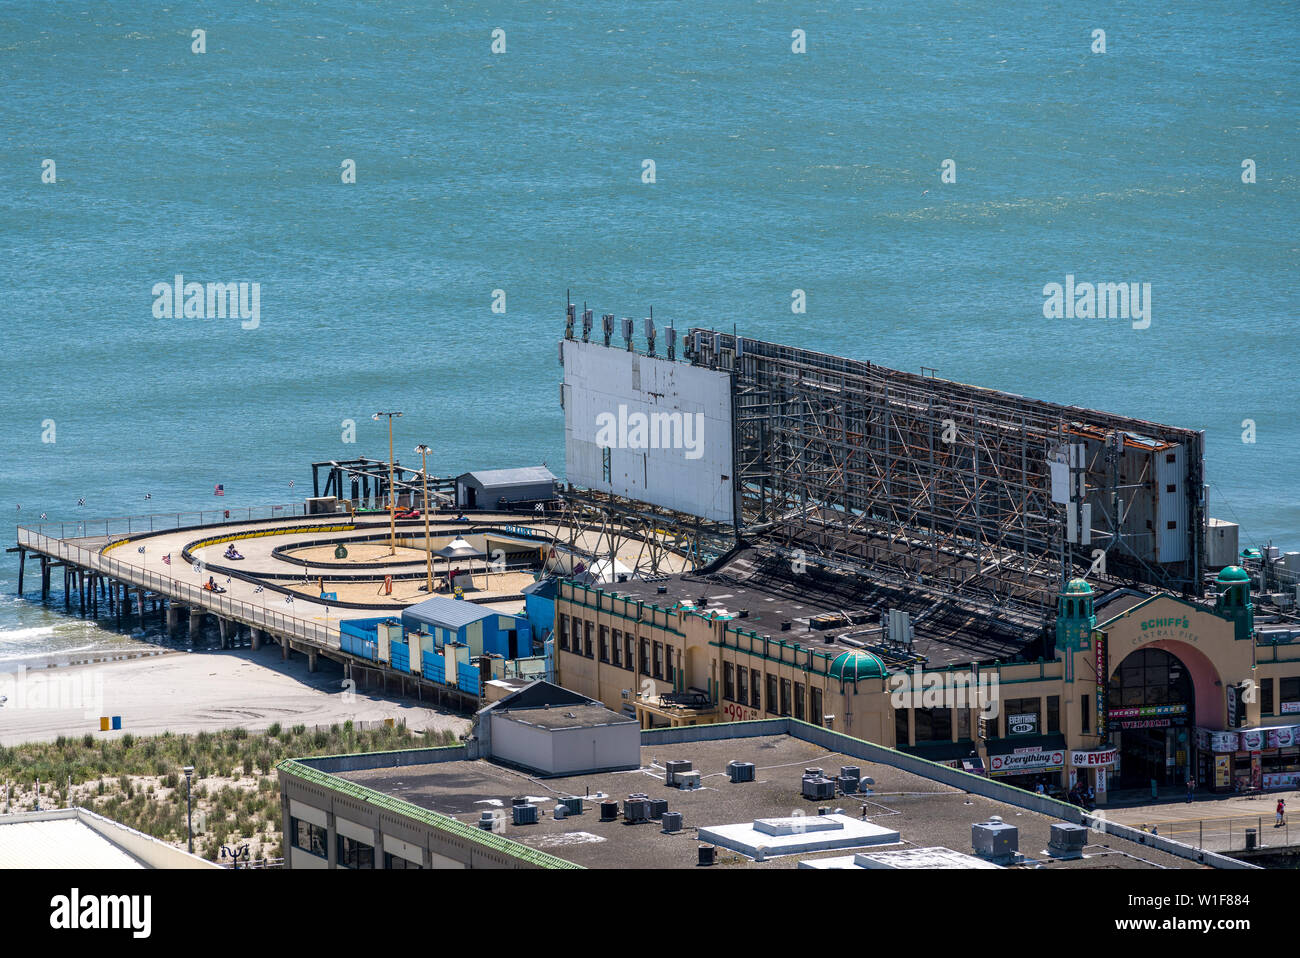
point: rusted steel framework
(600, 526)
(945, 485)
(364, 482)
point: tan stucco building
(1131, 687)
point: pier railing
(161, 521)
(257, 616)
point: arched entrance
(1152, 708)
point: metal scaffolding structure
(640, 535)
(947, 486)
(364, 483)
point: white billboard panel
(648, 429)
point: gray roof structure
(504, 478)
(446, 613)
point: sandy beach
(191, 691)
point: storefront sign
(1252, 740)
(1290, 708)
(1148, 711)
(1283, 737)
(1103, 757)
(1214, 741)
(1023, 762)
(1282, 779)
(738, 713)
(1102, 779)
(1102, 686)
(1023, 724)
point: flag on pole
(81, 502)
(148, 495)
(290, 483)
(42, 515)
(140, 550)
(257, 590)
(219, 490)
(167, 559)
(198, 566)
(288, 600)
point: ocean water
(522, 171)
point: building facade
(1137, 688)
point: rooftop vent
(662, 590)
(785, 626)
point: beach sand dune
(193, 691)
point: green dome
(1233, 573)
(854, 665)
(1078, 587)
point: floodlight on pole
(424, 451)
(392, 492)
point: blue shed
(480, 629)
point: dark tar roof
(765, 587)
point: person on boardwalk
(1281, 813)
(1191, 787)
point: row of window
(745, 686)
(1288, 693)
(1023, 717)
(615, 647)
(314, 839)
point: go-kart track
(298, 575)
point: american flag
(198, 566)
(257, 590)
(167, 559)
(140, 550)
(288, 599)
(290, 483)
(81, 502)
(219, 490)
(43, 515)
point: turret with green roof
(1233, 601)
(1075, 618)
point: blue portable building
(480, 629)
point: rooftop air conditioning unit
(1068, 838)
(672, 767)
(525, 814)
(995, 840)
(688, 780)
(740, 771)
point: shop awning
(940, 751)
(1006, 746)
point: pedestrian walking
(1191, 787)
(1281, 813)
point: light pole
(424, 451)
(189, 809)
(392, 492)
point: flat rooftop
(923, 812)
(766, 588)
(565, 716)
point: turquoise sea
(522, 171)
